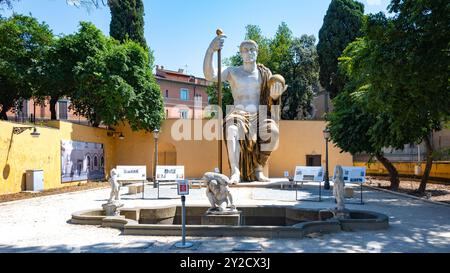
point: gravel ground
(435, 191)
(41, 224)
(80, 187)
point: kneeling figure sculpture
(218, 193)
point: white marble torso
(245, 88)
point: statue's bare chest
(244, 82)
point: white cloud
(373, 2)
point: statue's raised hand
(277, 89)
(218, 42)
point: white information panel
(169, 173)
(353, 174)
(183, 187)
(130, 173)
(308, 174)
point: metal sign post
(157, 185)
(183, 189)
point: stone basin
(256, 221)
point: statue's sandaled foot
(235, 178)
(261, 177)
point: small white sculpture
(112, 208)
(218, 193)
(115, 187)
(339, 193)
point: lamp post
(155, 137)
(326, 135)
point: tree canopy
(356, 126)
(402, 67)
(301, 71)
(58, 75)
(341, 26)
(127, 21)
(117, 84)
(23, 46)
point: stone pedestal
(341, 214)
(222, 219)
(112, 209)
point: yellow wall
(19, 153)
(297, 139)
(439, 169)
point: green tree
(350, 126)
(279, 48)
(127, 21)
(301, 71)
(411, 51)
(58, 75)
(23, 44)
(117, 84)
(341, 25)
(354, 125)
(404, 62)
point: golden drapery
(251, 153)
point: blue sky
(179, 31)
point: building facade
(29, 110)
(184, 95)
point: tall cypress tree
(127, 20)
(341, 26)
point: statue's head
(339, 172)
(249, 51)
(113, 172)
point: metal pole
(183, 244)
(361, 194)
(156, 163)
(219, 100)
(320, 191)
(183, 220)
(327, 179)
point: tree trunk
(3, 115)
(393, 173)
(96, 121)
(426, 174)
(53, 102)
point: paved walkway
(41, 224)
